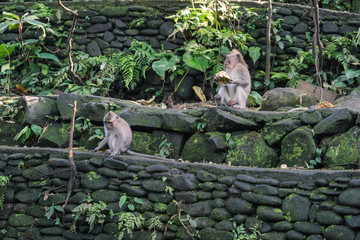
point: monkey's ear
(238, 57)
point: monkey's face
(109, 125)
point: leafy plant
(82, 124)
(164, 148)
(4, 181)
(127, 221)
(52, 210)
(93, 213)
(240, 233)
(317, 161)
(27, 132)
(154, 223)
(200, 126)
(130, 202)
(230, 143)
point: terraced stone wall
(283, 204)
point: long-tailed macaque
(235, 93)
(118, 136)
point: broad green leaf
(281, 45)
(160, 67)
(131, 207)
(122, 201)
(36, 129)
(49, 56)
(138, 200)
(4, 26)
(59, 208)
(34, 22)
(10, 15)
(352, 74)
(5, 67)
(313, 162)
(204, 62)
(254, 53)
(255, 98)
(191, 61)
(30, 41)
(318, 159)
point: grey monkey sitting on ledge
(118, 136)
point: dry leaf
(199, 93)
(222, 78)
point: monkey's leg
(240, 98)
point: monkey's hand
(222, 78)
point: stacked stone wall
(284, 204)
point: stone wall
(219, 135)
(284, 204)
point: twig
(70, 39)
(317, 45)
(73, 173)
(268, 42)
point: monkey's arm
(103, 142)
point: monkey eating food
(118, 136)
(234, 92)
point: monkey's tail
(148, 156)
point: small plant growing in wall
(27, 132)
(164, 148)
(52, 210)
(92, 211)
(317, 161)
(3, 183)
(240, 233)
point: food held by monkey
(235, 92)
(118, 137)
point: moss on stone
(298, 147)
(111, 11)
(251, 150)
(341, 150)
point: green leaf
(4, 26)
(49, 56)
(281, 45)
(59, 208)
(204, 62)
(34, 22)
(36, 129)
(22, 132)
(49, 212)
(313, 162)
(318, 159)
(10, 15)
(160, 67)
(131, 207)
(122, 201)
(192, 62)
(255, 98)
(138, 200)
(288, 37)
(254, 53)
(5, 67)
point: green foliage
(93, 213)
(127, 221)
(82, 124)
(4, 181)
(130, 202)
(200, 126)
(154, 223)
(52, 210)
(317, 161)
(255, 98)
(27, 132)
(240, 233)
(30, 65)
(9, 108)
(164, 148)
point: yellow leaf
(198, 91)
